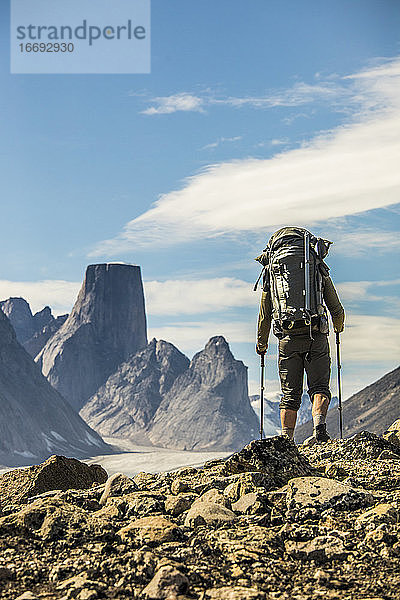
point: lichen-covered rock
(251, 504)
(141, 504)
(245, 483)
(56, 473)
(321, 492)
(213, 495)
(208, 513)
(176, 505)
(319, 549)
(382, 513)
(166, 584)
(363, 445)
(150, 529)
(392, 434)
(276, 457)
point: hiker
(296, 288)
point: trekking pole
(339, 368)
(262, 397)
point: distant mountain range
(373, 408)
(98, 359)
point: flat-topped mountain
(35, 421)
(127, 402)
(208, 406)
(106, 326)
(373, 408)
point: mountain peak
(106, 326)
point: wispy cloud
(364, 240)
(165, 105)
(58, 294)
(299, 94)
(221, 140)
(349, 170)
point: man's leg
(291, 370)
(288, 422)
(318, 375)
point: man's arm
(264, 322)
(334, 305)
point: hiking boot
(321, 434)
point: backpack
(294, 272)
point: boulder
(382, 513)
(150, 530)
(56, 473)
(253, 503)
(141, 504)
(117, 485)
(322, 493)
(245, 483)
(213, 495)
(319, 549)
(208, 513)
(166, 584)
(176, 505)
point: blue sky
(255, 115)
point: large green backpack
(293, 272)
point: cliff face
(35, 421)
(35, 343)
(20, 315)
(208, 406)
(105, 327)
(128, 400)
(374, 408)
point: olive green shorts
(293, 362)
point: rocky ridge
(32, 330)
(271, 521)
(207, 406)
(127, 402)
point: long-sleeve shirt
(331, 300)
